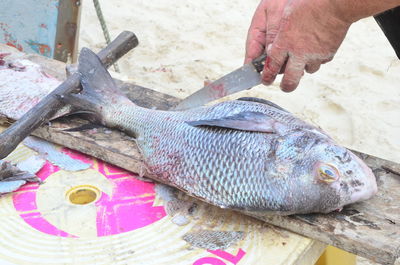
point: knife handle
(259, 62)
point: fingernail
(288, 87)
(268, 79)
(266, 83)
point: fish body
(18, 73)
(248, 155)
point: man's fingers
(312, 67)
(293, 73)
(255, 45)
(275, 60)
(273, 20)
(255, 42)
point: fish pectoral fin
(244, 121)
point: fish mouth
(370, 187)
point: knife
(243, 78)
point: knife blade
(242, 78)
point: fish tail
(99, 93)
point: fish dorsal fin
(262, 101)
(96, 80)
(244, 121)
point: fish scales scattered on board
(11, 177)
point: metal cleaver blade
(243, 78)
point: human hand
(297, 35)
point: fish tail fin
(99, 91)
(97, 81)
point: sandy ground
(355, 98)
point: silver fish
(248, 155)
(22, 85)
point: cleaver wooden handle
(259, 62)
(47, 107)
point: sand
(355, 98)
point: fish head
(341, 177)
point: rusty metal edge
(67, 36)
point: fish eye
(328, 173)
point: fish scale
(219, 151)
(241, 154)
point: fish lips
(370, 187)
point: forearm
(353, 10)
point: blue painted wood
(29, 25)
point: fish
(247, 155)
(13, 177)
(18, 73)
